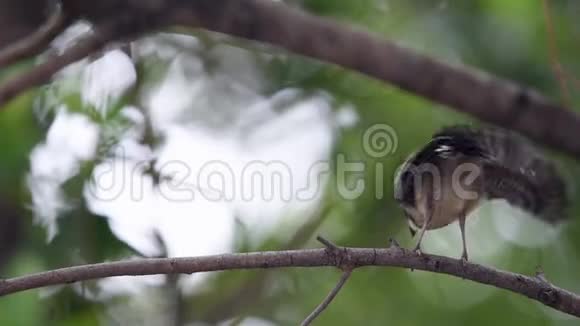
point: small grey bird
(461, 167)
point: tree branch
(243, 296)
(37, 41)
(43, 72)
(324, 304)
(529, 286)
(487, 97)
(116, 28)
(334, 250)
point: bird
(463, 166)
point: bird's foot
(418, 250)
(464, 258)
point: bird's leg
(426, 223)
(462, 228)
(428, 205)
(420, 237)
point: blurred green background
(48, 223)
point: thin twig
(559, 73)
(529, 286)
(252, 288)
(327, 243)
(36, 42)
(322, 306)
(540, 275)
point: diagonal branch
(42, 73)
(486, 97)
(324, 304)
(528, 286)
(333, 250)
(117, 28)
(554, 54)
(489, 98)
(37, 41)
(251, 290)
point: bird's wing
(538, 191)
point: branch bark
(531, 287)
(489, 98)
(118, 27)
(37, 41)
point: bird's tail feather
(515, 170)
